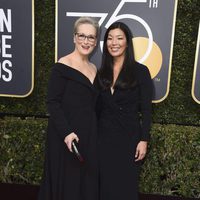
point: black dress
(124, 120)
(71, 101)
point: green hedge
(172, 166)
(21, 150)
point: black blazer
(128, 110)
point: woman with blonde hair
(71, 101)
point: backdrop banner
(152, 23)
(16, 48)
(196, 74)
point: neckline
(79, 72)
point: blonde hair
(86, 20)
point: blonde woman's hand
(141, 150)
(69, 138)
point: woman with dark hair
(124, 117)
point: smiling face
(116, 43)
(85, 39)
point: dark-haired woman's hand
(141, 150)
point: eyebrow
(115, 35)
(86, 34)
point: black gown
(125, 118)
(71, 105)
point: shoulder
(62, 64)
(58, 67)
(143, 74)
(65, 60)
(141, 69)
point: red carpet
(29, 192)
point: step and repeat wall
(152, 23)
(16, 48)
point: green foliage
(172, 166)
(22, 150)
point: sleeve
(56, 88)
(146, 91)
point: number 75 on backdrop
(152, 23)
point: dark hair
(126, 77)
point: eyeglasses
(82, 37)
